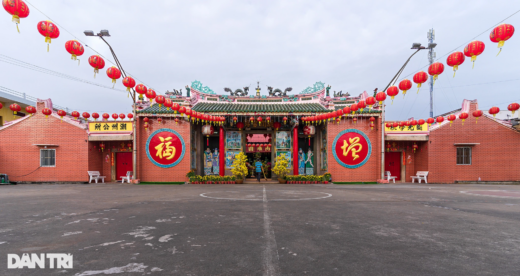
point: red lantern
(277, 125)
(129, 83)
(381, 96)
(309, 130)
(451, 118)
(146, 120)
(114, 74)
(268, 119)
(141, 89)
(473, 49)
(46, 112)
(95, 116)
(420, 122)
(430, 121)
(115, 116)
(346, 110)
(75, 114)
(405, 85)
(477, 114)
(175, 107)
(340, 111)
(413, 123)
(395, 124)
(494, 110)
(463, 116)
(372, 125)
(150, 94)
(361, 105)
(159, 120)
(284, 120)
(402, 124)
(30, 109)
(435, 70)
(338, 120)
(420, 78)
(188, 112)
(97, 62)
(102, 146)
(182, 110)
(393, 91)
(1, 105)
(130, 116)
(49, 30)
(122, 116)
(15, 108)
(354, 108)
(259, 119)
(415, 147)
(160, 100)
(85, 115)
(513, 107)
(61, 113)
(370, 101)
(354, 120)
(235, 119)
(145, 125)
(407, 123)
(176, 121)
(17, 8)
(388, 125)
(75, 49)
(240, 125)
(168, 103)
(454, 60)
(501, 34)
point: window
(48, 158)
(464, 156)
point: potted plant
(280, 168)
(238, 168)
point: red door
(123, 164)
(393, 164)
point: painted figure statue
(301, 162)
(208, 161)
(309, 165)
(215, 162)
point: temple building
(173, 139)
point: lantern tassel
(78, 61)
(496, 55)
(19, 32)
(418, 88)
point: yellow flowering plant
(238, 168)
(280, 167)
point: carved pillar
(222, 154)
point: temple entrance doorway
(259, 147)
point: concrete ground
(271, 229)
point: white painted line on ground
(271, 266)
(327, 195)
(496, 196)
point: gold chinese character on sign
(354, 146)
(164, 149)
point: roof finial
(258, 89)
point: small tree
(239, 168)
(280, 167)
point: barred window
(464, 156)
(48, 158)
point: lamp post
(417, 47)
(105, 33)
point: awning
(110, 137)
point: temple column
(295, 150)
(222, 153)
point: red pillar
(295, 150)
(222, 153)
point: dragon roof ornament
(197, 85)
(318, 86)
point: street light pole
(101, 34)
(392, 82)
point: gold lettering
(164, 149)
(354, 143)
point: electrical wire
(61, 27)
(16, 62)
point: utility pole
(431, 58)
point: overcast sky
(354, 46)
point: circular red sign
(165, 148)
(352, 148)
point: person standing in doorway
(258, 166)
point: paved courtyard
(265, 229)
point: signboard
(258, 148)
(110, 126)
(233, 140)
(351, 148)
(417, 128)
(165, 148)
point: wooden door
(393, 164)
(123, 164)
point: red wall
(19, 155)
(149, 172)
(495, 159)
(371, 170)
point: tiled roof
(366, 110)
(286, 107)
